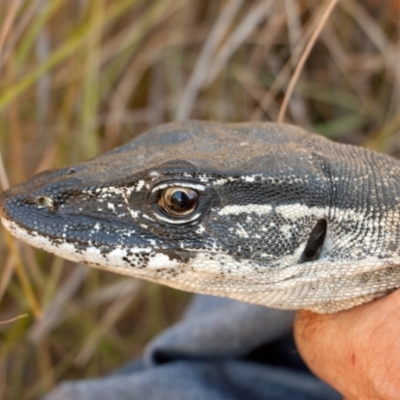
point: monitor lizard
(261, 212)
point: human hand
(356, 351)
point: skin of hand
(356, 351)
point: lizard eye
(178, 201)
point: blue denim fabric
(223, 350)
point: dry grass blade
(8, 23)
(9, 321)
(303, 59)
(128, 288)
(55, 312)
(17, 31)
(6, 274)
(284, 72)
(5, 184)
(297, 106)
(77, 39)
(130, 77)
(201, 69)
(368, 25)
(22, 276)
(247, 26)
(107, 322)
(395, 97)
(87, 141)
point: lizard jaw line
(33, 238)
(113, 261)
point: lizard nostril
(44, 202)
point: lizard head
(260, 212)
(195, 205)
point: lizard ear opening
(315, 242)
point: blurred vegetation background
(81, 77)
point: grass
(79, 78)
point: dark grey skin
(261, 212)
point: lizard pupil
(178, 201)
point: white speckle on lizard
(260, 209)
(162, 261)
